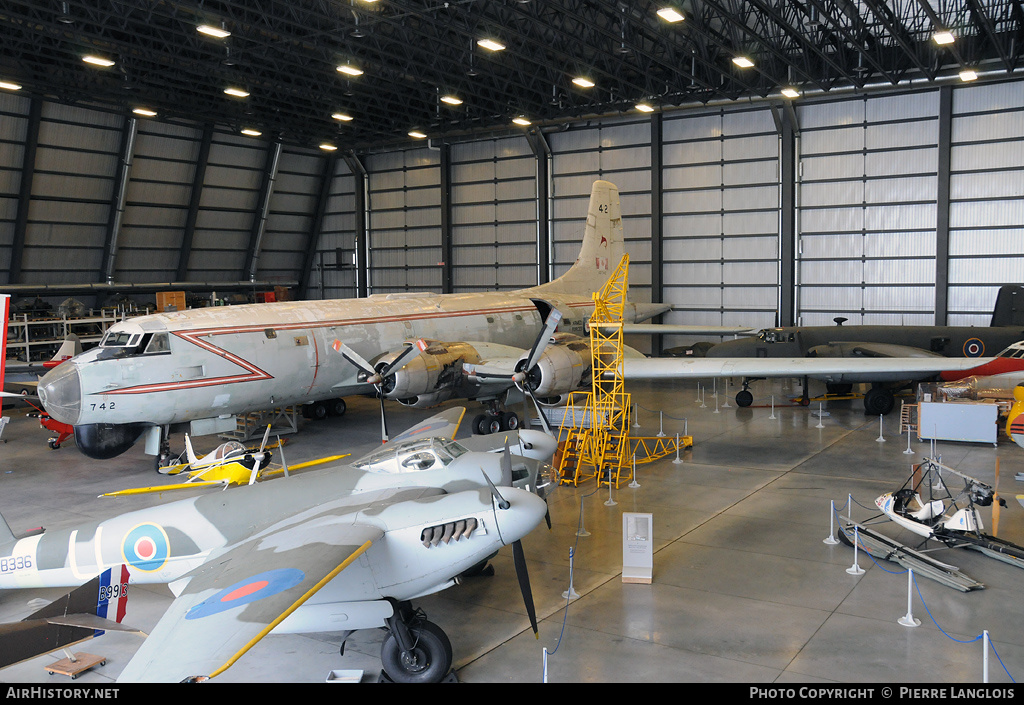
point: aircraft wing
(444, 424)
(681, 367)
(685, 329)
(241, 593)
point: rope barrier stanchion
(908, 451)
(571, 593)
(773, 407)
(725, 405)
(678, 461)
(908, 619)
(820, 424)
(831, 539)
(855, 569)
(703, 393)
(984, 658)
(582, 531)
(544, 678)
(610, 502)
(633, 483)
(636, 416)
(661, 424)
(881, 438)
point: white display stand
(637, 547)
(975, 422)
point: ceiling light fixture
(237, 92)
(645, 107)
(417, 134)
(343, 117)
(97, 60)
(350, 70)
(790, 92)
(251, 132)
(490, 44)
(670, 14)
(211, 31)
(144, 112)
(521, 121)
(451, 100)
(8, 86)
(583, 82)
(328, 147)
(943, 37)
(743, 62)
(968, 75)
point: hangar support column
(28, 170)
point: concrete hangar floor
(744, 588)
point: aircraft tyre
(337, 407)
(428, 661)
(317, 411)
(878, 401)
(509, 421)
(744, 398)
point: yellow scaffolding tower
(600, 446)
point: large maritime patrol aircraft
(337, 549)
(204, 366)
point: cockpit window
(120, 339)
(159, 343)
(412, 456)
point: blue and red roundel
(974, 347)
(146, 547)
(251, 589)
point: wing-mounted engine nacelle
(430, 377)
(565, 366)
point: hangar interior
(886, 190)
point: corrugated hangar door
(404, 233)
(867, 210)
(618, 151)
(986, 211)
(721, 218)
(494, 215)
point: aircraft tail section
(602, 246)
(191, 454)
(1009, 308)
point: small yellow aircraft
(230, 463)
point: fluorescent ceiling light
(968, 75)
(451, 100)
(8, 86)
(417, 134)
(327, 147)
(583, 82)
(344, 117)
(251, 132)
(97, 60)
(943, 36)
(670, 14)
(211, 31)
(645, 107)
(521, 121)
(742, 61)
(490, 44)
(237, 92)
(145, 112)
(790, 92)
(349, 70)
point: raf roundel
(146, 547)
(251, 589)
(974, 348)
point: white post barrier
(571, 593)
(881, 438)
(908, 619)
(610, 502)
(855, 569)
(661, 424)
(677, 461)
(634, 484)
(545, 676)
(636, 416)
(582, 531)
(831, 539)
(908, 451)
(820, 424)
(984, 659)
(773, 407)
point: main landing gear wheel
(485, 424)
(744, 398)
(878, 401)
(427, 661)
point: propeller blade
(502, 502)
(384, 437)
(540, 414)
(506, 466)
(541, 343)
(353, 357)
(400, 361)
(524, 584)
(255, 469)
(266, 437)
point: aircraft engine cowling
(430, 377)
(565, 366)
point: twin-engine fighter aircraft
(342, 547)
(203, 366)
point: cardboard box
(170, 301)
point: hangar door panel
(867, 187)
(721, 219)
(404, 232)
(494, 215)
(334, 264)
(986, 211)
(618, 151)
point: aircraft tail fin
(105, 598)
(71, 346)
(602, 247)
(191, 454)
(1009, 308)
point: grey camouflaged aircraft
(204, 366)
(337, 549)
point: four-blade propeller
(380, 376)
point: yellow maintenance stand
(600, 445)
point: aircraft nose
(60, 392)
(542, 446)
(525, 512)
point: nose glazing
(60, 391)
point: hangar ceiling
(412, 54)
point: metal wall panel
(290, 214)
(867, 209)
